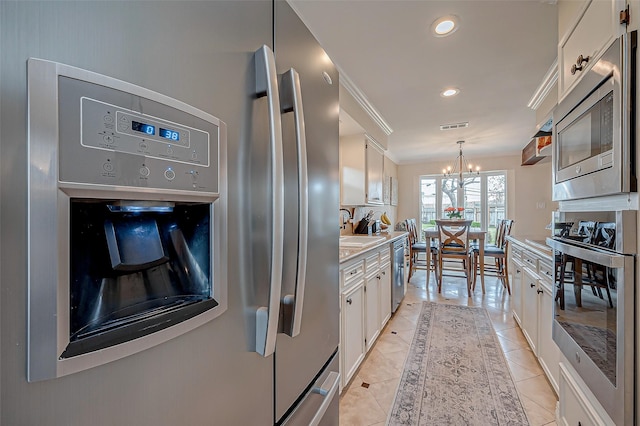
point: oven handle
(593, 255)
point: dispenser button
(144, 171)
(194, 155)
(169, 174)
(108, 139)
(170, 151)
(108, 119)
(108, 167)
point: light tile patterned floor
(362, 406)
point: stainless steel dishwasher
(397, 264)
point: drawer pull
(532, 285)
(539, 291)
(349, 301)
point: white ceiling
(497, 58)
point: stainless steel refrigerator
(271, 357)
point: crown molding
(550, 78)
(362, 100)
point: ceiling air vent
(454, 126)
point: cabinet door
(372, 309)
(385, 295)
(596, 27)
(374, 174)
(352, 170)
(352, 343)
(516, 291)
(577, 405)
(548, 351)
(530, 308)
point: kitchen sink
(360, 241)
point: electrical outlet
(541, 205)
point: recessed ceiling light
(447, 93)
(444, 26)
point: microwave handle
(593, 255)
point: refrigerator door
(301, 358)
(201, 53)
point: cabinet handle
(349, 301)
(384, 273)
(532, 285)
(539, 291)
(578, 66)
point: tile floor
(382, 368)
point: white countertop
(539, 246)
(349, 253)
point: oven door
(594, 321)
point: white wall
(527, 187)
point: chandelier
(460, 168)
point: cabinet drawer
(530, 260)
(353, 273)
(385, 256)
(545, 270)
(372, 263)
(516, 252)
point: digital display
(143, 128)
(169, 134)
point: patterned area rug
(456, 373)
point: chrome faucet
(343, 224)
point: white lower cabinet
(548, 351)
(578, 408)
(365, 307)
(385, 294)
(530, 298)
(516, 290)
(372, 309)
(532, 301)
(352, 348)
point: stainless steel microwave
(594, 128)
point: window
(483, 197)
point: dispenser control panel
(111, 127)
(113, 137)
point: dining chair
(416, 248)
(498, 251)
(453, 244)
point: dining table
(474, 235)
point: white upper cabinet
(361, 171)
(595, 27)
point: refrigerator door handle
(267, 85)
(328, 390)
(291, 101)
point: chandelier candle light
(459, 167)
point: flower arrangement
(454, 212)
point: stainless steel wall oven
(594, 309)
(126, 219)
(594, 128)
